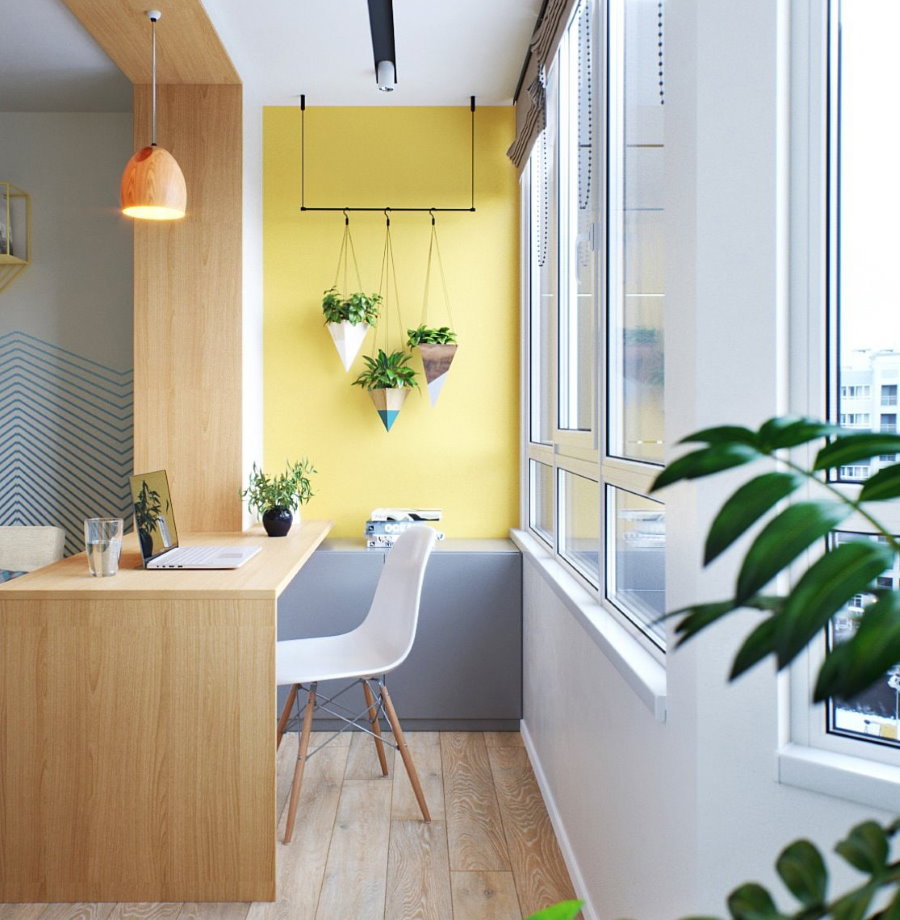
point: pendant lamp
(153, 185)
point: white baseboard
(559, 829)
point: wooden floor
(362, 852)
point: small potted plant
(388, 378)
(348, 320)
(277, 497)
(437, 348)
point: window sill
(853, 778)
(636, 665)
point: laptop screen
(154, 517)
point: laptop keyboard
(189, 555)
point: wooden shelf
(11, 260)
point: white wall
(665, 819)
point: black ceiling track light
(381, 22)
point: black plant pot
(277, 521)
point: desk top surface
(264, 576)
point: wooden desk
(137, 728)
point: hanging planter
(388, 378)
(348, 316)
(436, 345)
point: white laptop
(154, 522)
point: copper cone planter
(389, 402)
(436, 359)
(348, 338)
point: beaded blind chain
(660, 36)
(585, 107)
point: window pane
(636, 320)
(873, 715)
(584, 174)
(636, 569)
(541, 502)
(866, 198)
(544, 261)
(579, 525)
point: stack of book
(386, 524)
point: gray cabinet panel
(465, 669)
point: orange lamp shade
(153, 186)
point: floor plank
(503, 739)
(425, 748)
(418, 877)
(363, 760)
(474, 829)
(223, 911)
(355, 875)
(484, 896)
(145, 911)
(537, 864)
(78, 911)
(22, 911)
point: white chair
(366, 654)
(25, 547)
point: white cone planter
(348, 338)
(436, 360)
(389, 402)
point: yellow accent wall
(462, 454)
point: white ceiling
(446, 52)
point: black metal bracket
(386, 210)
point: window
(855, 420)
(856, 392)
(889, 395)
(593, 202)
(889, 422)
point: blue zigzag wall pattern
(66, 437)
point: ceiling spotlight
(385, 76)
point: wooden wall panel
(187, 309)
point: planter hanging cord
(388, 273)
(434, 248)
(346, 252)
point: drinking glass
(103, 544)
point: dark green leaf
(861, 661)
(823, 589)
(892, 911)
(883, 485)
(802, 869)
(852, 906)
(565, 910)
(699, 617)
(783, 539)
(756, 646)
(752, 902)
(704, 462)
(849, 448)
(866, 848)
(745, 507)
(792, 430)
(724, 434)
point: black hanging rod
(347, 208)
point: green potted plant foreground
(437, 348)
(789, 621)
(388, 378)
(348, 320)
(275, 498)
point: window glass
(579, 525)
(865, 200)
(541, 503)
(636, 324)
(873, 715)
(636, 567)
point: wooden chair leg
(376, 726)
(301, 763)
(404, 751)
(286, 714)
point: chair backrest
(390, 624)
(24, 548)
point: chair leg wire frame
(378, 706)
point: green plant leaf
(823, 589)
(705, 462)
(723, 434)
(757, 645)
(854, 665)
(849, 448)
(853, 905)
(699, 617)
(565, 910)
(783, 539)
(745, 507)
(791, 431)
(866, 848)
(883, 485)
(752, 902)
(802, 869)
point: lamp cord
(153, 70)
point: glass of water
(103, 544)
